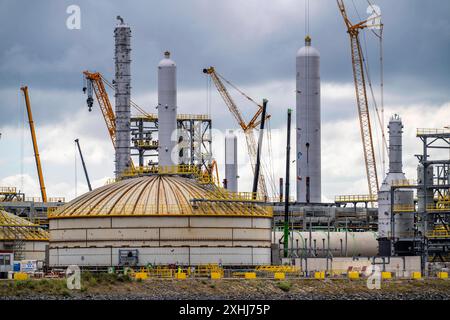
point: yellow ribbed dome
(151, 195)
(13, 228)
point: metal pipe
(84, 165)
(258, 153)
(286, 200)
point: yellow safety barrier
(287, 269)
(141, 275)
(20, 276)
(216, 275)
(250, 275)
(320, 275)
(356, 198)
(279, 275)
(8, 190)
(416, 275)
(442, 275)
(353, 275)
(424, 131)
(386, 275)
(180, 275)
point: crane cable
(379, 117)
(266, 172)
(132, 103)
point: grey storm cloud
(250, 42)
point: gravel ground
(155, 289)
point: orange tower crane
(96, 82)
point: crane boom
(247, 128)
(95, 82)
(361, 99)
(84, 165)
(35, 145)
(95, 79)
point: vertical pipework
(258, 153)
(167, 112)
(77, 142)
(286, 199)
(231, 167)
(281, 189)
(122, 35)
(308, 151)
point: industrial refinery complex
(166, 213)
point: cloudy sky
(252, 43)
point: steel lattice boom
(361, 99)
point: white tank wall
(167, 112)
(161, 256)
(231, 165)
(308, 124)
(161, 240)
(32, 250)
(340, 243)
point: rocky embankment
(106, 288)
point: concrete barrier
(319, 275)
(279, 275)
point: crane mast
(361, 99)
(247, 128)
(35, 145)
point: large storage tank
(27, 240)
(155, 218)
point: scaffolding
(431, 238)
(194, 139)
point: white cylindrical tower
(308, 124)
(403, 199)
(122, 35)
(231, 165)
(167, 111)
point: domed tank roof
(13, 228)
(308, 50)
(149, 196)
(167, 62)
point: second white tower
(308, 124)
(167, 111)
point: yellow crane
(246, 127)
(96, 82)
(35, 145)
(361, 98)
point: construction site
(167, 213)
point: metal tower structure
(122, 34)
(308, 124)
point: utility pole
(286, 197)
